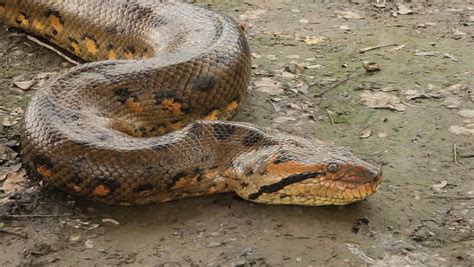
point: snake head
(302, 171)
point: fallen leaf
(349, 14)
(295, 68)
(425, 53)
(403, 10)
(412, 94)
(452, 102)
(453, 58)
(366, 133)
(269, 86)
(397, 48)
(110, 221)
(25, 85)
(344, 27)
(371, 67)
(313, 40)
(89, 243)
(459, 130)
(14, 182)
(252, 14)
(382, 100)
(468, 113)
(440, 185)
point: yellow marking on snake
(91, 46)
(23, 20)
(38, 25)
(75, 47)
(214, 115)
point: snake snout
(363, 173)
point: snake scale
(144, 121)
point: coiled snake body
(125, 129)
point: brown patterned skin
(125, 129)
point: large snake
(126, 128)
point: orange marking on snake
(128, 55)
(232, 106)
(101, 191)
(134, 106)
(43, 171)
(181, 183)
(56, 23)
(172, 106)
(112, 55)
(290, 167)
(74, 187)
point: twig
(27, 216)
(13, 233)
(370, 48)
(337, 84)
(330, 117)
(450, 197)
(455, 151)
(37, 41)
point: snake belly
(126, 128)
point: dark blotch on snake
(223, 131)
(204, 83)
(275, 187)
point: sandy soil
(308, 79)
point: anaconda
(139, 124)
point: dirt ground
(415, 117)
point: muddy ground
(308, 79)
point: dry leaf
(269, 86)
(382, 100)
(313, 40)
(468, 113)
(440, 186)
(295, 68)
(252, 14)
(459, 130)
(25, 85)
(14, 182)
(366, 133)
(371, 67)
(403, 10)
(349, 14)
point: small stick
(13, 233)
(336, 85)
(455, 151)
(32, 216)
(450, 197)
(37, 41)
(370, 48)
(329, 115)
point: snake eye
(332, 167)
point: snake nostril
(378, 176)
